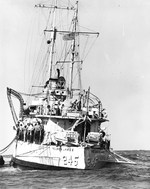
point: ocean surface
(114, 177)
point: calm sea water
(115, 177)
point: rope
(6, 148)
(123, 159)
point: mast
(75, 20)
(52, 50)
(53, 38)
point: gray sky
(120, 64)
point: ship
(60, 126)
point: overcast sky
(120, 64)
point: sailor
(48, 109)
(18, 128)
(61, 109)
(102, 133)
(37, 133)
(25, 133)
(44, 106)
(21, 129)
(107, 144)
(41, 134)
(102, 139)
(79, 105)
(104, 113)
(95, 115)
(38, 110)
(64, 110)
(57, 109)
(30, 130)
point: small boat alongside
(2, 162)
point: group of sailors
(58, 108)
(30, 130)
(57, 105)
(61, 109)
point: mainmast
(75, 21)
(52, 50)
(52, 40)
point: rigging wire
(85, 46)
(6, 148)
(28, 50)
(89, 49)
(25, 60)
(37, 61)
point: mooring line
(6, 148)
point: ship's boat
(59, 126)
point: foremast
(74, 54)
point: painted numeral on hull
(70, 161)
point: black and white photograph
(74, 94)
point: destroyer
(60, 127)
